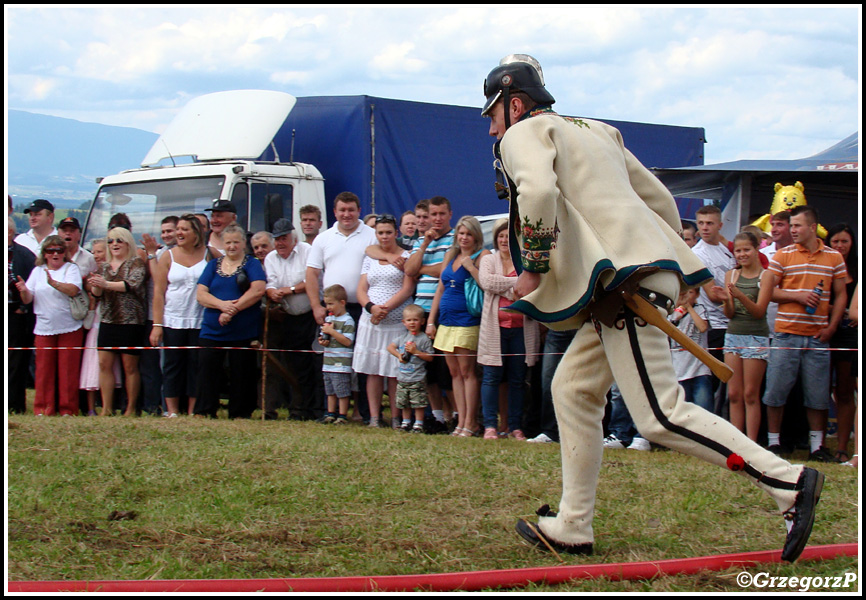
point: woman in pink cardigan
(507, 341)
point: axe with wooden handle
(649, 313)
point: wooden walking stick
(265, 355)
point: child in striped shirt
(337, 337)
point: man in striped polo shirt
(426, 264)
(804, 325)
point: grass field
(219, 499)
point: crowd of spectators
(175, 312)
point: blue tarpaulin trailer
(393, 153)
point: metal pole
(372, 158)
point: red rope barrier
(444, 582)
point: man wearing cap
(70, 230)
(591, 229)
(41, 225)
(286, 268)
(222, 214)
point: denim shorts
(747, 346)
(793, 356)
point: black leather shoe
(532, 534)
(802, 514)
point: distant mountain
(60, 159)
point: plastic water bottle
(325, 336)
(819, 289)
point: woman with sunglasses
(121, 284)
(383, 290)
(51, 284)
(89, 378)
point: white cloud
(742, 73)
(395, 61)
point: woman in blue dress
(230, 289)
(456, 331)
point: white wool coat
(588, 215)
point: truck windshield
(147, 203)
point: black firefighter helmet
(516, 72)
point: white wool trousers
(637, 357)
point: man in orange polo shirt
(805, 323)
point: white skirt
(89, 375)
(371, 354)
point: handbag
(474, 293)
(79, 304)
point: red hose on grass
(442, 582)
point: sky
(765, 82)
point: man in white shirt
(713, 252)
(286, 268)
(336, 257)
(780, 224)
(70, 230)
(41, 225)
(337, 254)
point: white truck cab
(211, 150)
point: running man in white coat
(588, 223)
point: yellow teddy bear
(787, 197)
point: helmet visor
(491, 100)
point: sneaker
(490, 434)
(641, 444)
(824, 455)
(327, 419)
(612, 442)
(341, 420)
(417, 428)
(541, 438)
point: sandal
(469, 433)
(840, 454)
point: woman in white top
(176, 314)
(51, 284)
(383, 290)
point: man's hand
(149, 242)
(527, 282)
(809, 298)
(319, 314)
(716, 293)
(825, 334)
(275, 294)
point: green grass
(219, 499)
